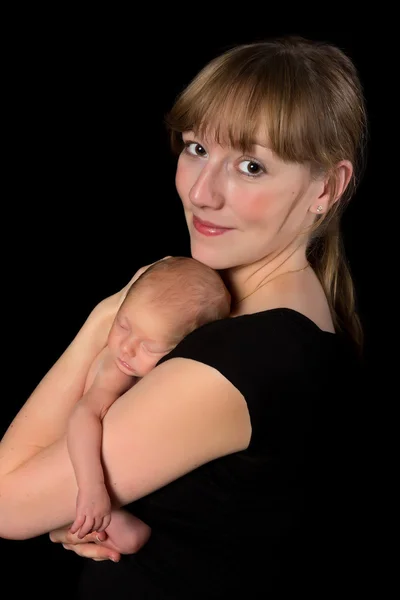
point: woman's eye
(195, 149)
(251, 168)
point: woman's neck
(245, 280)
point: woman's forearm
(43, 418)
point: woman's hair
(308, 98)
(186, 292)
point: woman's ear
(336, 182)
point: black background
(89, 194)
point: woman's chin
(214, 259)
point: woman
(229, 449)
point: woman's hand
(95, 545)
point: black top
(269, 517)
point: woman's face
(241, 208)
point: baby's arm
(84, 435)
(95, 368)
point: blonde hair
(186, 291)
(307, 97)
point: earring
(319, 208)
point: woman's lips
(207, 228)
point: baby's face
(139, 337)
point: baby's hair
(185, 291)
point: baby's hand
(93, 511)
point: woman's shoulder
(271, 341)
(280, 361)
(268, 328)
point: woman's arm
(180, 416)
(43, 418)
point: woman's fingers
(65, 536)
(89, 547)
(93, 551)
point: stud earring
(319, 208)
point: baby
(170, 299)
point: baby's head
(168, 301)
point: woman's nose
(207, 190)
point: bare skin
(83, 358)
(84, 433)
(140, 335)
(145, 429)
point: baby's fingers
(77, 524)
(98, 524)
(105, 523)
(86, 528)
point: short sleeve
(276, 359)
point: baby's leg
(126, 532)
